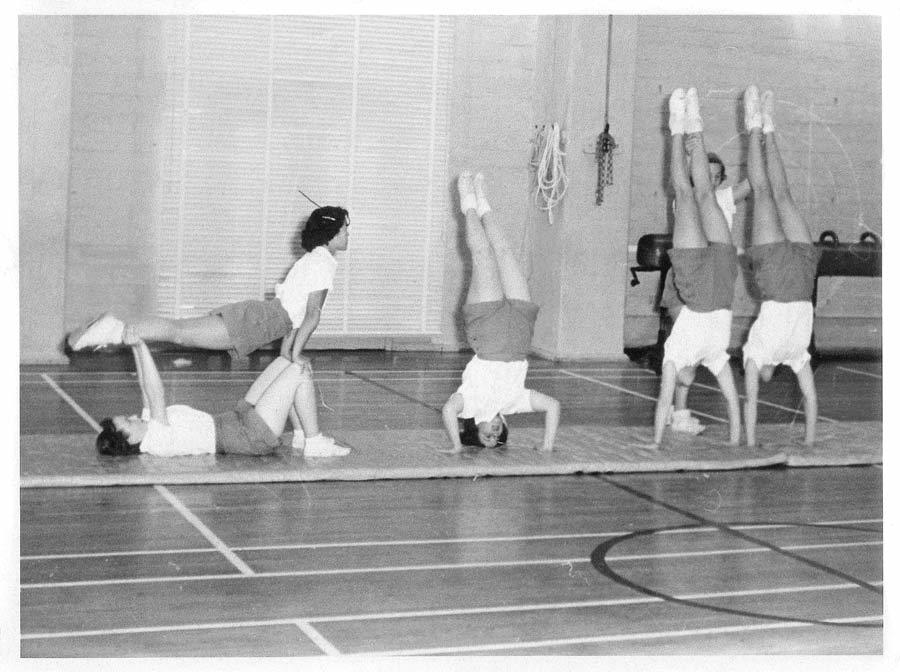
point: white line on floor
(317, 637)
(665, 634)
(763, 402)
(461, 540)
(862, 373)
(78, 409)
(635, 394)
(210, 536)
(433, 613)
(438, 566)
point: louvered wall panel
(354, 111)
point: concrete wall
(45, 74)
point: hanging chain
(605, 146)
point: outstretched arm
(550, 406)
(729, 391)
(297, 339)
(451, 410)
(810, 401)
(152, 389)
(751, 388)
(663, 402)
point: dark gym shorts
(242, 431)
(785, 271)
(253, 324)
(500, 330)
(704, 276)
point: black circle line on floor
(600, 553)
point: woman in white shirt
(245, 326)
(283, 390)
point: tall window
(353, 111)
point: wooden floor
(773, 561)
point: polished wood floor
(772, 561)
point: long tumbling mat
(70, 459)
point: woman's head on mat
(121, 435)
(716, 169)
(326, 226)
(685, 375)
(487, 434)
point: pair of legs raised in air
(699, 224)
(776, 219)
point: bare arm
(810, 402)
(550, 406)
(301, 334)
(751, 388)
(449, 413)
(663, 402)
(130, 337)
(729, 391)
(741, 190)
(152, 387)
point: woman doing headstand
(499, 317)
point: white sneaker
(467, 199)
(323, 446)
(676, 112)
(480, 197)
(105, 330)
(767, 103)
(752, 111)
(693, 122)
(298, 441)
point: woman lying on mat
(248, 325)
(784, 261)
(704, 269)
(284, 389)
(499, 318)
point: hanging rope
(605, 142)
(550, 173)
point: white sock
(483, 205)
(693, 122)
(676, 112)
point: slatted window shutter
(354, 111)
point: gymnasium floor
(765, 561)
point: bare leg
(207, 332)
(766, 225)
(712, 219)
(303, 411)
(276, 401)
(687, 231)
(792, 222)
(262, 383)
(513, 281)
(484, 284)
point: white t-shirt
(490, 387)
(725, 199)
(310, 273)
(189, 432)
(699, 338)
(781, 334)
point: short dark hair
(322, 225)
(112, 441)
(712, 157)
(468, 435)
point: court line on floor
(162, 490)
(635, 394)
(437, 613)
(763, 402)
(782, 550)
(455, 540)
(317, 637)
(600, 639)
(207, 533)
(759, 547)
(862, 373)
